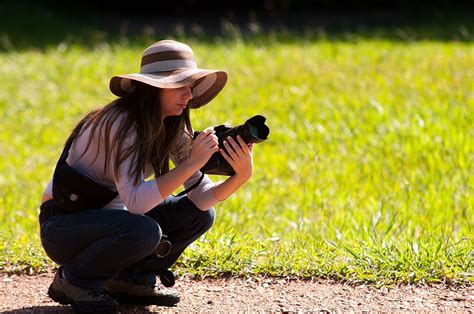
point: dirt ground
(27, 294)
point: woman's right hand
(203, 147)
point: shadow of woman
(42, 309)
(67, 309)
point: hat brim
(206, 83)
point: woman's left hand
(239, 156)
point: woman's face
(174, 100)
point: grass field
(367, 175)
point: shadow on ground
(25, 25)
(41, 309)
(68, 309)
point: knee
(144, 231)
(150, 230)
(206, 219)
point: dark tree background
(43, 23)
(190, 7)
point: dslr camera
(253, 130)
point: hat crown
(167, 55)
(170, 64)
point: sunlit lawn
(367, 175)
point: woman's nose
(188, 94)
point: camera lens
(253, 130)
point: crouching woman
(107, 255)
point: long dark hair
(157, 139)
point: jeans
(98, 244)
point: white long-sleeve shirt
(136, 198)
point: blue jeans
(97, 244)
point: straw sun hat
(171, 64)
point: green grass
(367, 175)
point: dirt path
(27, 294)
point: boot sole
(79, 307)
(144, 300)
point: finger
(214, 146)
(243, 145)
(214, 149)
(201, 136)
(233, 142)
(208, 141)
(235, 146)
(227, 157)
(205, 133)
(251, 148)
(230, 150)
(212, 138)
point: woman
(108, 254)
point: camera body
(253, 130)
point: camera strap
(192, 187)
(67, 146)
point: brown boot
(81, 300)
(129, 293)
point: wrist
(188, 166)
(240, 178)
